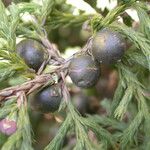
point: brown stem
(39, 80)
(61, 71)
(53, 53)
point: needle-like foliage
(131, 95)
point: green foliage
(57, 142)
(8, 107)
(123, 105)
(144, 18)
(98, 22)
(58, 19)
(111, 131)
(46, 9)
(128, 134)
(22, 138)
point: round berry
(32, 52)
(84, 71)
(47, 100)
(8, 127)
(108, 46)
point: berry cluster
(107, 47)
(84, 70)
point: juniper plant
(131, 95)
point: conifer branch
(22, 137)
(130, 87)
(59, 19)
(26, 87)
(58, 140)
(98, 22)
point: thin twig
(39, 80)
(61, 70)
